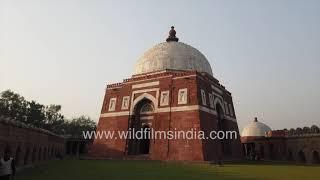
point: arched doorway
(249, 150)
(222, 126)
(140, 122)
(262, 151)
(34, 155)
(17, 156)
(7, 149)
(290, 156)
(145, 141)
(271, 151)
(315, 157)
(302, 157)
(51, 152)
(40, 154)
(44, 153)
(26, 156)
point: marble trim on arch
(220, 101)
(144, 95)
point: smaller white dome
(255, 129)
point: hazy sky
(266, 53)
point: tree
(77, 125)
(13, 105)
(35, 114)
(54, 120)
(47, 117)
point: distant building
(172, 88)
(294, 145)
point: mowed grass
(153, 170)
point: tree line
(48, 117)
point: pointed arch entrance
(139, 125)
(315, 157)
(302, 157)
(222, 126)
(145, 142)
(18, 156)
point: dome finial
(172, 35)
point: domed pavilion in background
(172, 89)
(302, 145)
(251, 133)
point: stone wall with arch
(300, 145)
(29, 145)
(304, 148)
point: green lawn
(153, 170)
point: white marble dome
(172, 55)
(255, 129)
